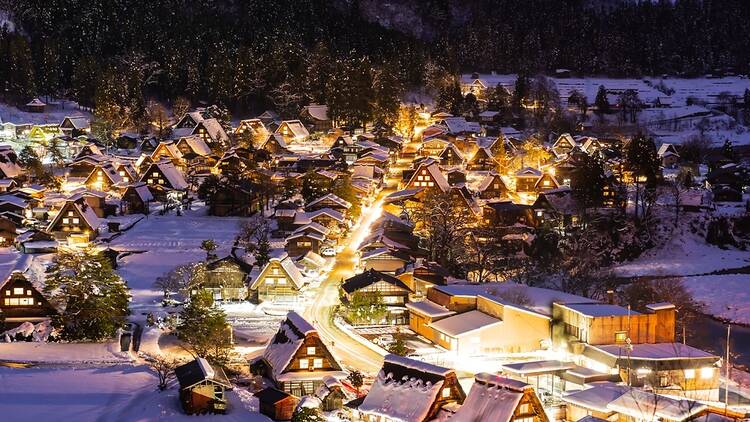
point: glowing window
(304, 363)
(446, 392)
(620, 336)
(311, 350)
(18, 290)
(76, 221)
(317, 363)
(707, 373)
(689, 374)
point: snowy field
(55, 113)
(684, 255)
(725, 296)
(120, 393)
(88, 353)
(161, 243)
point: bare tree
(483, 254)
(177, 280)
(157, 116)
(164, 368)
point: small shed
(276, 404)
(36, 106)
(202, 387)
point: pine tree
(727, 150)
(387, 91)
(601, 102)
(263, 251)
(520, 92)
(94, 298)
(307, 414)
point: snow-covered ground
(685, 254)
(122, 393)
(88, 353)
(162, 243)
(725, 296)
(56, 111)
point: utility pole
(726, 382)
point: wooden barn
(202, 387)
(278, 281)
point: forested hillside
(255, 53)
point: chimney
(611, 297)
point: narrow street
(349, 351)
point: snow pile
(38, 332)
(492, 398)
(6, 23)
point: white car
(328, 251)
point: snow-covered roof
(78, 122)
(492, 398)
(297, 129)
(528, 172)
(597, 397)
(196, 144)
(9, 162)
(286, 342)
(656, 351)
(457, 125)
(647, 406)
(317, 111)
(487, 181)
(84, 210)
(142, 190)
(333, 198)
(36, 102)
(465, 323)
(286, 264)
(170, 172)
(537, 367)
(434, 170)
(404, 390)
(599, 309)
(429, 308)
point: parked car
(328, 251)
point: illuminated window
(282, 281)
(424, 171)
(155, 174)
(65, 221)
(269, 281)
(122, 173)
(707, 373)
(430, 184)
(621, 336)
(317, 363)
(546, 183)
(446, 392)
(304, 363)
(70, 213)
(28, 292)
(275, 271)
(76, 221)
(150, 181)
(311, 350)
(420, 178)
(524, 408)
(18, 290)
(689, 374)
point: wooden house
(496, 398)
(331, 394)
(7, 185)
(344, 146)
(126, 170)
(163, 177)
(292, 131)
(482, 160)
(564, 144)
(451, 156)
(202, 387)
(169, 151)
(330, 201)
(526, 179)
(7, 232)
(276, 404)
(211, 132)
(275, 144)
(104, 178)
(9, 166)
(383, 288)
(546, 182)
(492, 186)
(408, 390)
(35, 241)
(252, 129)
(433, 147)
(136, 199)
(75, 126)
(668, 155)
(89, 149)
(301, 242)
(388, 260)
(296, 359)
(36, 106)
(278, 281)
(428, 175)
(317, 116)
(76, 218)
(238, 199)
(225, 279)
(21, 301)
(83, 166)
(506, 213)
(235, 161)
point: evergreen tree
(356, 379)
(307, 414)
(263, 251)
(588, 182)
(204, 328)
(387, 91)
(450, 98)
(520, 92)
(727, 150)
(342, 188)
(209, 245)
(94, 298)
(499, 99)
(601, 103)
(21, 81)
